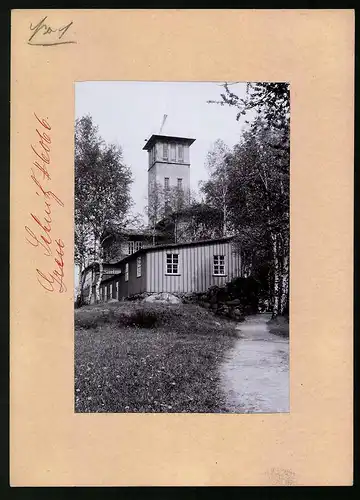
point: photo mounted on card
(185, 178)
(182, 247)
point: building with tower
(168, 171)
(157, 259)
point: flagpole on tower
(163, 123)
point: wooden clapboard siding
(134, 284)
(195, 267)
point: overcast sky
(127, 113)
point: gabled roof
(173, 245)
(106, 265)
(156, 137)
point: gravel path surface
(255, 373)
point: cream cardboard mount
(49, 443)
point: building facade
(168, 166)
(158, 258)
(174, 268)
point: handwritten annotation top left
(45, 35)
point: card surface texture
(181, 247)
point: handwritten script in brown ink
(39, 232)
(46, 36)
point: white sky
(127, 113)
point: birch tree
(216, 189)
(258, 196)
(102, 193)
(259, 208)
(82, 254)
(155, 208)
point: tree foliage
(216, 189)
(257, 195)
(102, 193)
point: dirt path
(255, 373)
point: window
(173, 152)
(117, 290)
(138, 267)
(172, 263)
(134, 246)
(166, 182)
(219, 265)
(181, 153)
(106, 292)
(127, 272)
(179, 183)
(165, 151)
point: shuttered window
(172, 263)
(219, 265)
(127, 272)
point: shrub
(140, 318)
(247, 290)
(279, 326)
(179, 318)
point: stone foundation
(217, 299)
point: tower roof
(156, 137)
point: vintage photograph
(182, 241)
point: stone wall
(221, 303)
(217, 300)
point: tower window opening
(165, 151)
(181, 153)
(173, 152)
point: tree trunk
(91, 287)
(175, 231)
(224, 218)
(276, 286)
(80, 287)
(284, 284)
(98, 281)
(100, 276)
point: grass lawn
(170, 365)
(279, 326)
